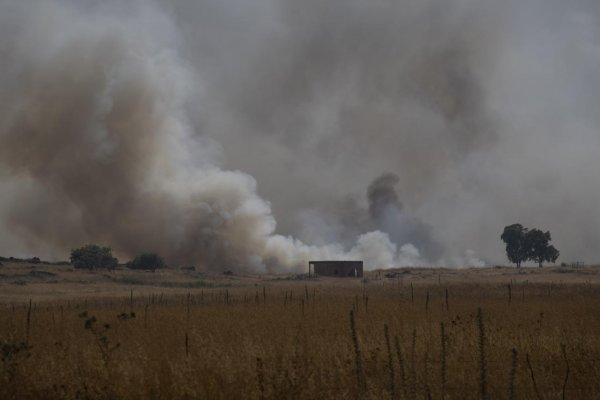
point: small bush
(93, 256)
(149, 261)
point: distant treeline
(32, 260)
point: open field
(467, 334)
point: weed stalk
(362, 384)
(482, 361)
(388, 345)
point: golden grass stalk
(513, 375)
(390, 363)
(400, 357)
(482, 359)
(358, 367)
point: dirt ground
(21, 281)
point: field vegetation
(397, 338)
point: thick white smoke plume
(401, 133)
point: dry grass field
(440, 334)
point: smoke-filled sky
(256, 134)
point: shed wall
(337, 268)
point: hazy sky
(253, 133)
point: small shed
(341, 269)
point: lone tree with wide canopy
(539, 248)
(514, 237)
(523, 244)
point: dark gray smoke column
(385, 209)
(382, 195)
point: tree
(146, 261)
(539, 248)
(516, 249)
(552, 254)
(523, 244)
(93, 256)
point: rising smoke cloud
(385, 209)
(190, 128)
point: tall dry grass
(271, 344)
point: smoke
(385, 210)
(189, 129)
(96, 139)
(382, 196)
